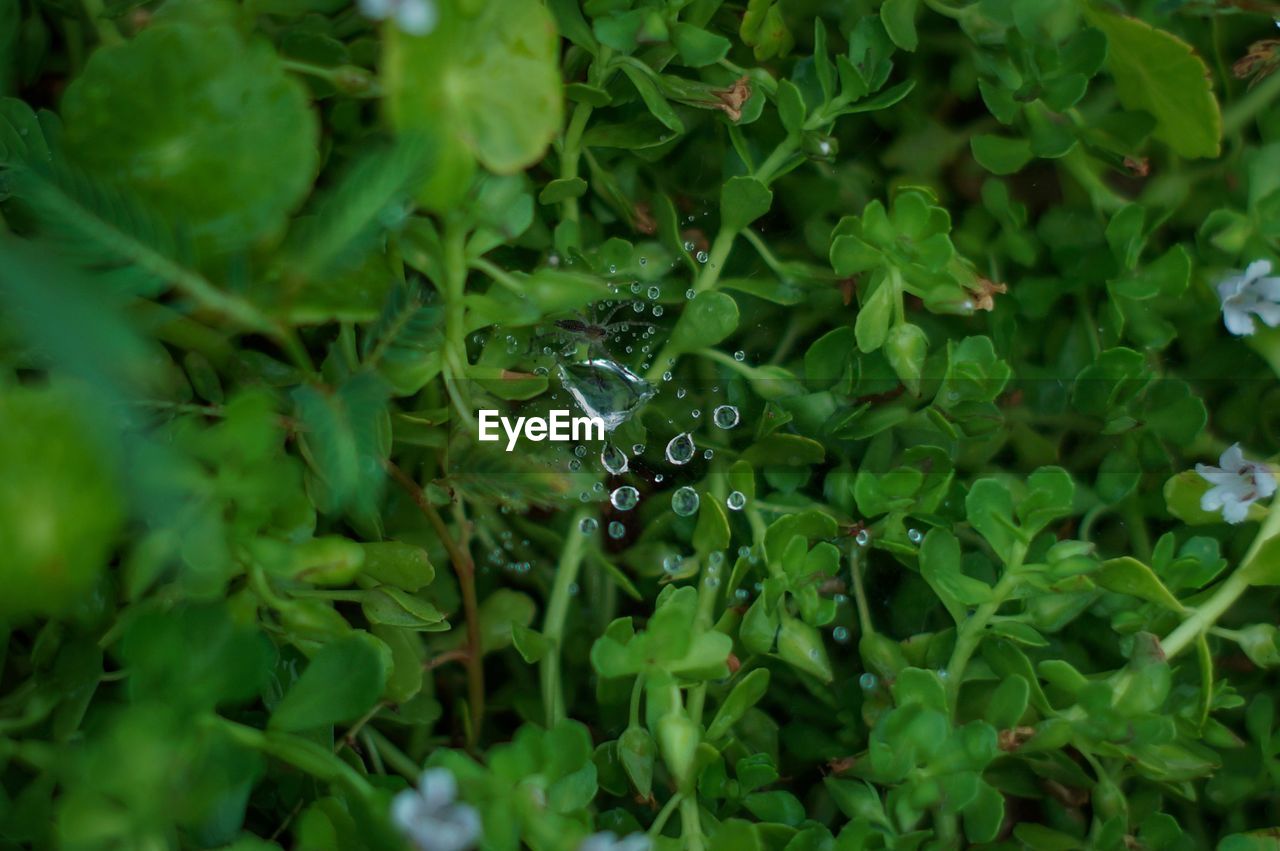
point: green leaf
(197, 98)
(340, 683)
(1160, 74)
(391, 606)
(906, 347)
(999, 154)
(653, 98)
(899, 19)
(742, 201)
(872, 325)
(712, 531)
(1127, 575)
(706, 320)
(484, 85)
(636, 752)
(697, 47)
(562, 189)
(343, 440)
(745, 694)
(791, 108)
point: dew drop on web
(680, 449)
(725, 416)
(613, 459)
(588, 525)
(616, 529)
(736, 500)
(684, 501)
(624, 498)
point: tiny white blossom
(1237, 484)
(608, 841)
(1250, 294)
(416, 17)
(431, 819)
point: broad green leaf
(483, 85)
(340, 683)
(1160, 74)
(899, 19)
(216, 136)
(999, 154)
(706, 320)
(742, 201)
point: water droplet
(635, 287)
(657, 310)
(684, 501)
(654, 292)
(701, 257)
(580, 451)
(666, 376)
(637, 449)
(943, 673)
(624, 498)
(742, 594)
(867, 681)
(840, 634)
(708, 454)
(862, 538)
(715, 560)
(690, 294)
(680, 449)
(681, 393)
(915, 536)
(605, 389)
(695, 413)
(713, 582)
(739, 355)
(616, 529)
(588, 525)
(744, 550)
(613, 459)
(736, 500)
(658, 477)
(644, 261)
(725, 416)
(574, 465)
(671, 564)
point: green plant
(937, 346)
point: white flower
(416, 17)
(1250, 293)
(609, 841)
(429, 817)
(1237, 484)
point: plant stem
(557, 612)
(660, 820)
(1207, 613)
(465, 570)
(971, 630)
(570, 154)
(690, 824)
(1255, 101)
(865, 625)
(455, 283)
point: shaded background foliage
(929, 284)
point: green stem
(455, 283)
(690, 824)
(1207, 613)
(970, 633)
(570, 155)
(1235, 116)
(557, 612)
(660, 820)
(866, 627)
(393, 756)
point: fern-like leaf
(348, 219)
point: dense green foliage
(937, 513)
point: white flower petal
(1235, 512)
(1257, 269)
(1213, 499)
(1238, 322)
(417, 17)
(1232, 459)
(437, 788)
(1215, 476)
(1264, 481)
(379, 10)
(1267, 288)
(1268, 312)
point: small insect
(596, 333)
